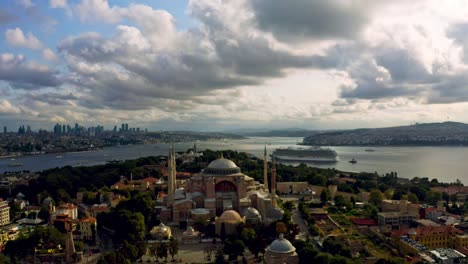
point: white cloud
(241, 64)
(58, 3)
(98, 10)
(16, 37)
(7, 107)
(49, 55)
(26, 3)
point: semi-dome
(250, 213)
(275, 213)
(281, 245)
(230, 216)
(221, 166)
(179, 193)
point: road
(297, 219)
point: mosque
(221, 188)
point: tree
(44, 214)
(388, 194)
(209, 251)
(220, 257)
(248, 235)
(325, 195)
(289, 206)
(454, 198)
(234, 248)
(413, 198)
(432, 197)
(223, 231)
(173, 247)
(281, 228)
(162, 250)
(375, 197)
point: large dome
(281, 245)
(221, 166)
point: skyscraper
(5, 129)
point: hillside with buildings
(429, 134)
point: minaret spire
(273, 184)
(265, 171)
(170, 176)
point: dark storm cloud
(25, 75)
(402, 66)
(382, 81)
(459, 33)
(452, 89)
(311, 19)
(52, 98)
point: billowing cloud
(244, 62)
(49, 55)
(24, 74)
(16, 37)
(311, 19)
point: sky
(216, 65)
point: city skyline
(221, 65)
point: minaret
(195, 148)
(174, 172)
(274, 202)
(265, 171)
(69, 244)
(170, 177)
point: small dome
(230, 215)
(47, 201)
(189, 231)
(281, 245)
(179, 193)
(20, 196)
(222, 164)
(250, 213)
(275, 213)
(161, 228)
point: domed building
(252, 216)
(221, 186)
(281, 251)
(161, 232)
(230, 219)
(190, 235)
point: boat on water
(15, 164)
(58, 157)
(352, 161)
(369, 150)
(315, 154)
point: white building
(448, 256)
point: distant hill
(429, 134)
(291, 132)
